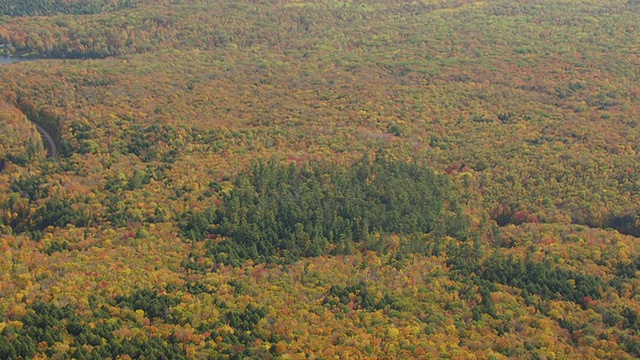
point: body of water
(11, 60)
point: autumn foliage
(291, 179)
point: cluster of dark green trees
(153, 304)
(39, 325)
(277, 211)
(628, 270)
(54, 212)
(46, 322)
(244, 324)
(143, 142)
(545, 279)
(360, 296)
(625, 223)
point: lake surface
(11, 60)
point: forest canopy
(292, 211)
(319, 179)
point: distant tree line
(15, 8)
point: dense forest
(320, 179)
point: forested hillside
(312, 179)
